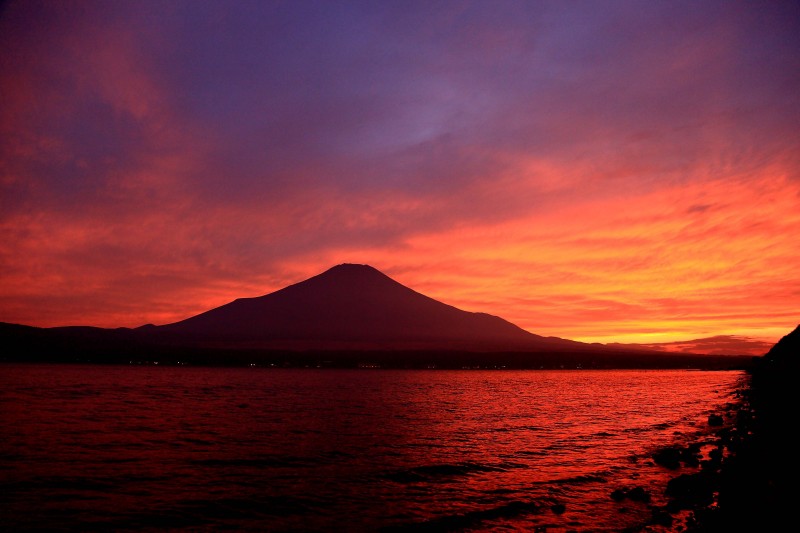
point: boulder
(691, 490)
(669, 457)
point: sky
(604, 171)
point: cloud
(717, 345)
(581, 170)
(617, 268)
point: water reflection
(130, 448)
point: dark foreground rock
(668, 458)
(673, 457)
(635, 494)
(689, 491)
(752, 467)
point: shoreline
(743, 484)
(691, 468)
(697, 470)
(753, 480)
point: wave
(458, 522)
(528, 453)
(255, 507)
(577, 480)
(277, 461)
(506, 429)
(427, 473)
(641, 429)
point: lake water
(116, 448)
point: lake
(87, 447)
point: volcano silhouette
(353, 306)
(348, 316)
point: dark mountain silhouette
(353, 306)
(350, 315)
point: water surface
(116, 448)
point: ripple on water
(115, 448)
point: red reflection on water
(119, 447)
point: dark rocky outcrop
(669, 457)
(635, 494)
(692, 490)
(752, 467)
(673, 456)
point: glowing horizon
(625, 174)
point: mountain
(350, 315)
(352, 307)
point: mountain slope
(353, 306)
(345, 317)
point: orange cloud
(633, 268)
(157, 161)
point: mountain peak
(353, 269)
(352, 266)
(350, 276)
(351, 305)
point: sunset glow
(629, 173)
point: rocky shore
(754, 480)
(739, 479)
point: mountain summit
(352, 307)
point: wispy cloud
(590, 171)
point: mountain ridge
(356, 306)
(350, 315)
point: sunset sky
(600, 171)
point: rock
(715, 455)
(715, 420)
(744, 418)
(618, 495)
(690, 455)
(638, 494)
(661, 518)
(691, 490)
(668, 457)
(673, 507)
